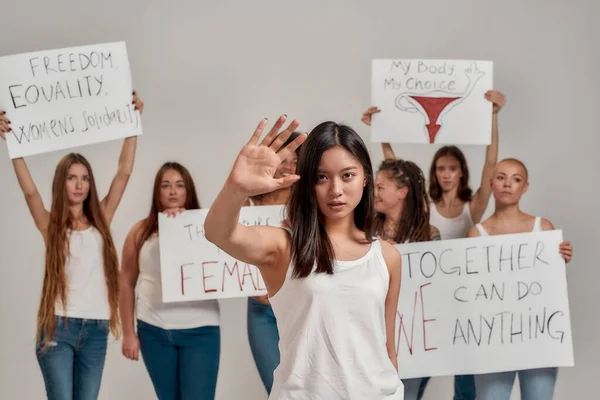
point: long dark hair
(414, 223)
(150, 224)
(435, 190)
(310, 243)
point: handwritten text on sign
(431, 101)
(192, 268)
(482, 305)
(60, 99)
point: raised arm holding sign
(80, 289)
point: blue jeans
(72, 365)
(535, 384)
(414, 388)
(464, 387)
(264, 340)
(182, 363)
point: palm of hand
(255, 168)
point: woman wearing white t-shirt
(180, 342)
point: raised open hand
(254, 169)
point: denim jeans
(464, 387)
(535, 384)
(414, 388)
(72, 365)
(264, 340)
(183, 364)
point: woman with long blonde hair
(80, 293)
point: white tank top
(537, 227)
(451, 228)
(87, 295)
(332, 334)
(149, 305)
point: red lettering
(231, 271)
(204, 277)
(183, 278)
(403, 330)
(425, 320)
(248, 272)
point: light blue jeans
(264, 340)
(535, 384)
(73, 363)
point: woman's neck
(450, 199)
(340, 227)
(507, 213)
(77, 216)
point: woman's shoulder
(391, 255)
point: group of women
(326, 328)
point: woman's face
(388, 195)
(448, 173)
(173, 192)
(340, 183)
(509, 183)
(77, 183)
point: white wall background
(208, 71)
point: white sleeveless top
(537, 227)
(451, 228)
(87, 295)
(149, 305)
(332, 334)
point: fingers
(132, 354)
(366, 116)
(290, 148)
(287, 181)
(4, 124)
(258, 132)
(566, 251)
(268, 140)
(137, 102)
(371, 110)
(173, 212)
(495, 97)
(281, 138)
